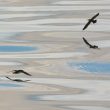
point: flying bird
(90, 46)
(20, 71)
(92, 20)
(17, 80)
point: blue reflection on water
(16, 48)
(93, 67)
(9, 85)
(11, 37)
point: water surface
(9, 85)
(92, 67)
(16, 48)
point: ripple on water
(11, 37)
(16, 48)
(77, 97)
(9, 34)
(87, 107)
(92, 67)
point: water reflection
(73, 97)
(11, 37)
(9, 85)
(16, 48)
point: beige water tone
(54, 27)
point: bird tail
(94, 21)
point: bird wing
(87, 24)
(95, 16)
(27, 73)
(86, 42)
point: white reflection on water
(9, 63)
(32, 28)
(100, 89)
(53, 8)
(39, 25)
(48, 55)
(75, 97)
(6, 16)
(91, 2)
(57, 20)
(102, 43)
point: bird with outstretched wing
(91, 20)
(20, 71)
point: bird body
(92, 20)
(21, 71)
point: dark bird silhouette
(17, 80)
(20, 71)
(90, 46)
(92, 20)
